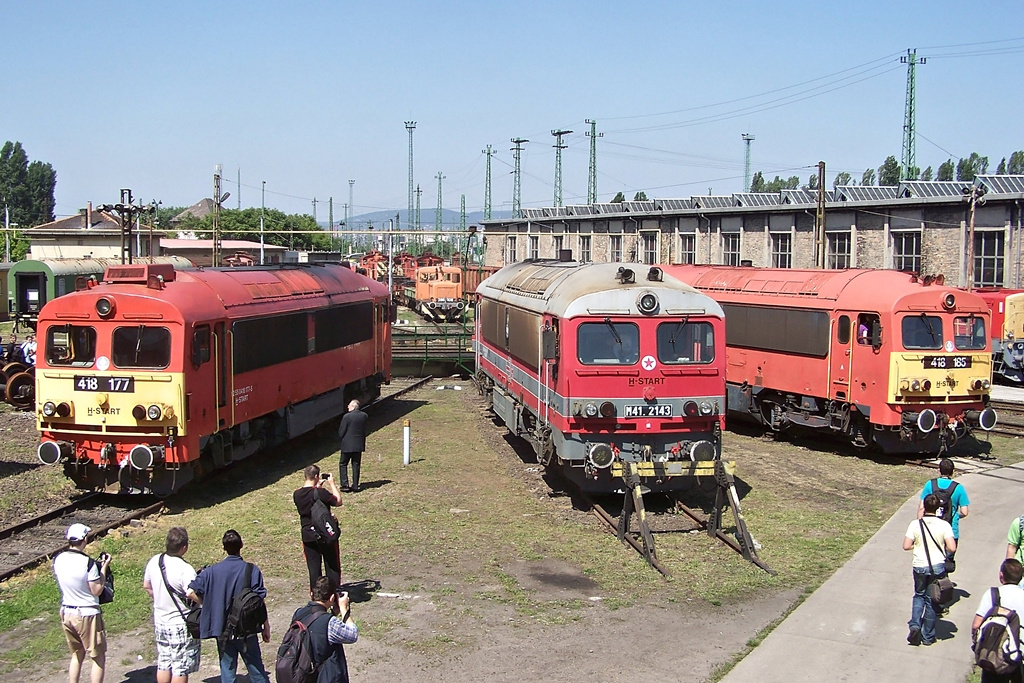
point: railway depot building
(916, 226)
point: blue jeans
(249, 648)
(922, 614)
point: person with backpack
(931, 539)
(314, 646)
(166, 579)
(953, 501)
(227, 591)
(996, 645)
(318, 545)
(81, 582)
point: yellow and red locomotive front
(157, 376)
(881, 357)
(597, 367)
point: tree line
(294, 231)
(26, 193)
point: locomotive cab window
(683, 342)
(201, 345)
(843, 330)
(869, 329)
(608, 343)
(71, 345)
(969, 333)
(922, 332)
(141, 346)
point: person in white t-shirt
(1011, 596)
(931, 539)
(177, 653)
(80, 579)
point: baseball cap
(78, 532)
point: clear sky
(308, 95)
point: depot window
(73, 345)
(685, 343)
(922, 332)
(969, 333)
(608, 343)
(141, 346)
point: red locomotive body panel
(877, 355)
(152, 384)
(596, 369)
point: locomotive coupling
(924, 420)
(53, 452)
(986, 419)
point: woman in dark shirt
(315, 550)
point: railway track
(1011, 417)
(27, 543)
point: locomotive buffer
(725, 494)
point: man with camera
(166, 580)
(316, 549)
(81, 582)
(328, 632)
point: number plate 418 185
(946, 362)
(114, 385)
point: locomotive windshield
(608, 343)
(141, 347)
(922, 332)
(969, 333)
(683, 342)
(71, 345)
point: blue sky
(307, 95)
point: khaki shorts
(87, 635)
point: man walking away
(215, 588)
(329, 634)
(1011, 596)
(166, 579)
(316, 550)
(931, 539)
(352, 433)
(81, 582)
(948, 491)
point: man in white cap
(81, 582)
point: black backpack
(945, 497)
(324, 523)
(296, 662)
(248, 611)
(997, 649)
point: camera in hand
(325, 475)
(104, 557)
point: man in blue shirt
(957, 493)
(215, 588)
(328, 632)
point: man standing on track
(166, 579)
(80, 579)
(314, 549)
(352, 433)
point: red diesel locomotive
(155, 377)
(1007, 332)
(880, 357)
(597, 367)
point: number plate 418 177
(946, 362)
(114, 385)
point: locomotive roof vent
(625, 276)
(655, 274)
(138, 273)
(565, 255)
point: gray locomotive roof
(569, 289)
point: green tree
(971, 167)
(1016, 165)
(757, 182)
(295, 231)
(945, 170)
(868, 177)
(1001, 168)
(640, 196)
(41, 180)
(618, 198)
(927, 173)
(842, 178)
(14, 192)
(889, 171)
(812, 183)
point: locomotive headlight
(690, 409)
(590, 410)
(49, 409)
(139, 412)
(104, 307)
(154, 412)
(607, 409)
(985, 384)
(949, 301)
(915, 385)
(647, 302)
(600, 455)
(705, 408)
(64, 409)
(904, 385)
(926, 385)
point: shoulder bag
(192, 616)
(940, 589)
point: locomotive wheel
(21, 390)
(14, 368)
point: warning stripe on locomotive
(675, 468)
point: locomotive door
(222, 348)
(841, 358)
